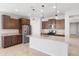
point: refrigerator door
(25, 32)
(25, 29)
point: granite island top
(50, 37)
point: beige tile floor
(73, 50)
(73, 45)
(20, 50)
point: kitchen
(49, 32)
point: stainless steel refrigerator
(26, 29)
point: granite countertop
(57, 38)
(9, 34)
(47, 37)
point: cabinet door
(15, 23)
(19, 39)
(62, 24)
(7, 41)
(14, 40)
(25, 21)
(59, 24)
(44, 24)
(51, 21)
(9, 23)
(6, 22)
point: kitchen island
(54, 46)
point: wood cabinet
(44, 24)
(19, 39)
(14, 40)
(10, 23)
(11, 40)
(6, 21)
(15, 23)
(52, 21)
(60, 24)
(7, 41)
(25, 21)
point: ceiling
(25, 9)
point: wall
(78, 29)
(68, 20)
(73, 28)
(36, 26)
(74, 25)
(0, 28)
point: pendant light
(42, 11)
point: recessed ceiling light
(54, 6)
(16, 10)
(41, 10)
(43, 6)
(33, 9)
(58, 11)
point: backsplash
(10, 31)
(58, 31)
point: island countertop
(50, 37)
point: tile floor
(25, 50)
(73, 45)
(73, 50)
(20, 50)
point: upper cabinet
(10, 23)
(60, 24)
(51, 21)
(25, 21)
(44, 24)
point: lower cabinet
(14, 40)
(19, 39)
(6, 42)
(11, 40)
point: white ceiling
(25, 9)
